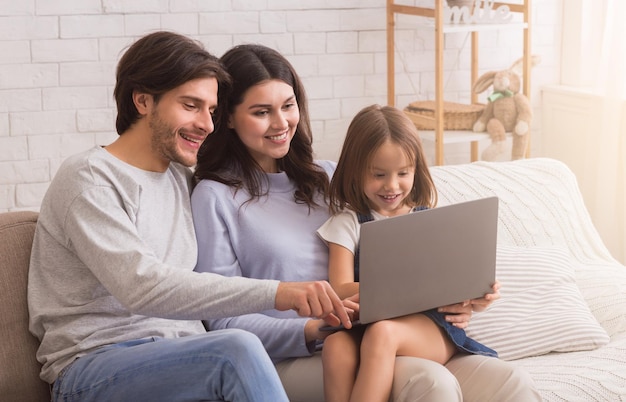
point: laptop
(427, 259)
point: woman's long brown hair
(224, 158)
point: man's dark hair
(157, 63)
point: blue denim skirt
(458, 335)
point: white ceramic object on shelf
(460, 3)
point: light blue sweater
(270, 238)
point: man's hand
(352, 304)
(313, 299)
(312, 327)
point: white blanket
(541, 206)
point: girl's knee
(340, 346)
(380, 334)
(333, 345)
(382, 328)
(336, 340)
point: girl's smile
(389, 180)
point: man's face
(181, 121)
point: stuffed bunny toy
(507, 110)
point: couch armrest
(19, 377)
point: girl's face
(389, 180)
(266, 121)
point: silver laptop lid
(427, 259)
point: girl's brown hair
(224, 158)
(369, 130)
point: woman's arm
(282, 337)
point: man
(112, 294)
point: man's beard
(164, 141)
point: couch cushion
(19, 376)
(540, 203)
(603, 285)
(541, 308)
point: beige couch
(562, 315)
(19, 373)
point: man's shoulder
(76, 167)
(92, 161)
(95, 170)
(73, 178)
(80, 158)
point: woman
(259, 199)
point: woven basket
(456, 116)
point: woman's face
(266, 121)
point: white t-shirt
(344, 229)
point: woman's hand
(312, 330)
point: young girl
(382, 172)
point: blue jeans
(224, 365)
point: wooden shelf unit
(436, 22)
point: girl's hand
(458, 314)
(482, 303)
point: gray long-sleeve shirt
(113, 259)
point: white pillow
(540, 310)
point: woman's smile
(266, 121)
(279, 137)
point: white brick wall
(58, 57)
